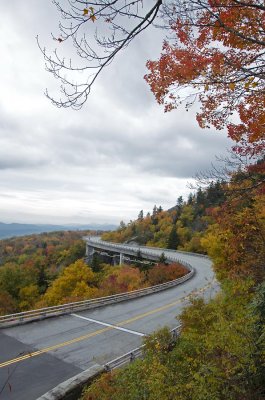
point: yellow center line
(98, 332)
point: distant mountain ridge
(18, 229)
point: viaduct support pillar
(89, 250)
(89, 253)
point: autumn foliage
(76, 282)
(161, 273)
(216, 57)
(30, 264)
(236, 241)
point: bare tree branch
(107, 13)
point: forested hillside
(29, 264)
(181, 227)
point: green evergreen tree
(190, 199)
(141, 215)
(180, 202)
(122, 225)
(42, 280)
(95, 263)
(162, 258)
(154, 211)
(173, 239)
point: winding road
(37, 356)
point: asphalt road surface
(36, 357)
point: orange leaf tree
(236, 242)
(216, 56)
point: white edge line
(119, 328)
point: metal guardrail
(42, 313)
(135, 353)
(72, 388)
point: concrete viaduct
(123, 252)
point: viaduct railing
(146, 252)
(42, 313)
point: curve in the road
(36, 357)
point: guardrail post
(174, 334)
(121, 258)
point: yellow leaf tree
(76, 282)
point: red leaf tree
(216, 56)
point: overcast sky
(105, 163)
